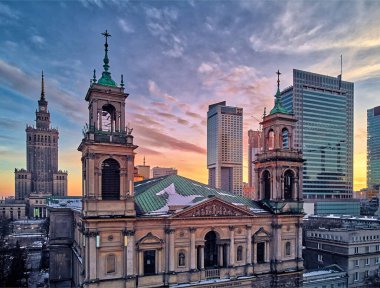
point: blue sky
(177, 57)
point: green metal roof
(152, 195)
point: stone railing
(211, 273)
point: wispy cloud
(160, 23)
(38, 40)
(64, 102)
(125, 26)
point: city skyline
(177, 58)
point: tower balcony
(292, 155)
(99, 136)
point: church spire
(277, 102)
(106, 75)
(42, 86)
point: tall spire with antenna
(42, 86)
(106, 75)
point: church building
(172, 231)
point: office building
(373, 148)
(163, 171)
(355, 249)
(254, 140)
(324, 108)
(225, 147)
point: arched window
(285, 138)
(108, 118)
(111, 263)
(211, 251)
(239, 253)
(288, 184)
(267, 186)
(110, 180)
(271, 140)
(287, 248)
(181, 259)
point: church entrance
(211, 251)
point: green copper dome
(278, 105)
(106, 75)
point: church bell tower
(278, 166)
(107, 149)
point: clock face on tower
(42, 108)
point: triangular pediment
(214, 207)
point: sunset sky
(177, 57)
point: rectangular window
(319, 246)
(377, 248)
(356, 263)
(356, 250)
(320, 258)
(356, 276)
(367, 261)
(377, 261)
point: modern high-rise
(254, 140)
(324, 107)
(225, 147)
(373, 148)
(41, 176)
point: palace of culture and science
(41, 178)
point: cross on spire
(278, 78)
(106, 75)
(106, 35)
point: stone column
(202, 256)
(171, 250)
(220, 255)
(123, 183)
(92, 255)
(141, 262)
(232, 246)
(254, 253)
(298, 248)
(192, 249)
(266, 256)
(249, 244)
(276, 228)
(130, 254)
(100, 119)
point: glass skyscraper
(225, 147)
(373, 148)
(324, 108)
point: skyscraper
(225, 147)
(41, 175)
(323, 106)
(373, 148)
(254, 138)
